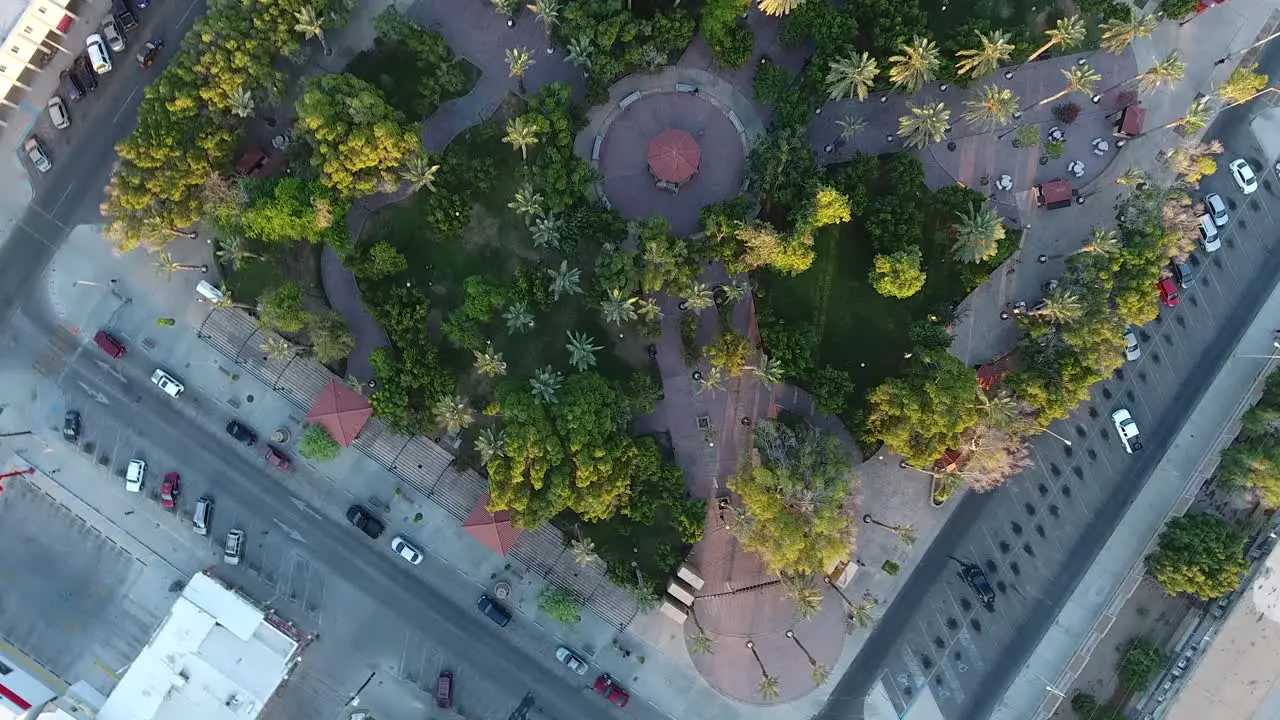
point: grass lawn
(1035, 15)
(297, 263)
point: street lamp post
(1068, 442)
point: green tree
(804, 594)
(420, 172)
(830, 390)
(382, 261)
(916, 67)
(898, 275)
(291, 209)
(925, 412)
(994, 47)
(730, 353)
(1120, 33)
(978, 234)
(410, 380)
(1178, 8)
(993, 107)
(452, 413)
(1080, 78)
(565, 281)
(358, 142)
(778, 8)
(1140, 662)
(560, 604)
(1199, 555)
(317, 444)
(582, 350)
(1066, 32)
(489, 445)
(618, 308)
(852, 76)
(331, 341)
(311, 25)
(490, 363)
(281, 309)
(518, 63)
(522, 134)
(233, 250)
(544, 384)
(924, 125)
(1166, 71)
(1244, 83)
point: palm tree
(978, 234)
(769, 371)
(1060, 307)
(582, 350)
(924, 125)
(226, 301)
(1167, 71)
(1118, 34)
(518, 63)
(232, 251)
(420, 172)
(861, 614)
(1132, 177)
(1102, 242)
(700, 643)
(490, 445)
(778, 8)
(490, 363)
(698, 297)
(618, 308)
(1067, 32)
(518, 317)
(804, 593)
(166, 267)
(277, 348)
(994, 48)
(710, 381)
(768, 686)
(527, 203)
(851, 125)
(853, 75)
(583, 551)
(311, 26)
(1079, 77)
(452, 413)
(240, 103)
(506, 7)
(548, 11)
(522, 134)
(993, 107)
(1197, 117)
(545, 383)
(547, 230)
(820, 673)
(735, 291)
(648, 309)
(579, 52)
(565, 280)
(916, 66)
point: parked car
(1217, 209)
(71, 426)
(241, 433)
(203, 516)
(111, 33)
(168, 383)
(1131, 350)
(82, 68)
(124, 13)
(1242, 173)
(109, 344)
(35, 151)
(133, 475)
(276, 459)
(365, 521)
(170, 489)
(571, 660)
(148, 53)
(58, 114)
(233, 550)
(493, 610)
(1183, 273)
(444, 690)
(976, 578)
(1210, 239)
(609, 689)
(1127, 429)
(1168, 292)
(71, 85)
(98, 56)
(406, 550)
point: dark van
(124, 14)
(109, 345)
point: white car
(571, 660)
(233, 550)
(133, 475)
(168, 383)
(35, 151)
(58, 113)
(1244, 177)
(1131, 350)
(1127, 428)
(110, 31)
(406, 550)
(98, 56)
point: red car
(276, 459)
(606, 687)
(169, 491)
(1168, 291)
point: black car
(493, 610)
(1183, 273)
(71, 86)
(71, 426)
(147, 55)
(975, 578)
(124, 14)
(241, 433)
(365, 520)
(84, 71)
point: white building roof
(214, 658)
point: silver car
(111, 33)
(570, 659)
(58, 113)
(1131, 350)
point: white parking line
(183, 19)
(125, 105)
(63, 197)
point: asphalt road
(1038, 535)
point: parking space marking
(125, 105)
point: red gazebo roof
(1131, 120)
(341, 410)
(674, 156)
(493, 530)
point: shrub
(830, 389)
(560, 604)
(689, 339)
(1084, 705)
(1176, 9)
(732, 45)
(771, 82)
(1141, 660)
(1055, 149)
(318, 444)
(280, 309)
(1066, 112)
(891, 567)
(1028, 136)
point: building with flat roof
(1237, 677)
(217, 656)
(33, 31)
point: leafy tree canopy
(898, 275)
(924, 413)
(1201, 555)
(291, 209)
(410, 380)
(317, 444)
(1140, 661)
(281, 309)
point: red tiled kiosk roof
(341, 410)
(493, 530)
(674, 156)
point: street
(1037, 535)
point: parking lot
(1044, 519)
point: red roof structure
(674, 156)
(1131, 121)
(493, 530)
(341, 410)
(1054, 194)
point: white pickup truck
(1127, 428)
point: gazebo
(341, 410)
(673, 158)
(493, 530)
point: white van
(209, 292)
(202, 516)
(1209, 237)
